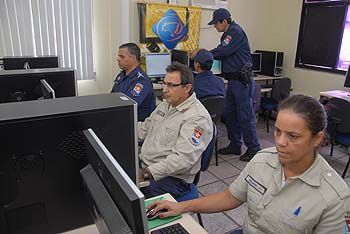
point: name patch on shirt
(161, 113)
(227, 40)
(255, 184)
(196, 136)
(137, 89)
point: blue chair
(280, 90)
(215, 106)
(338, 128)
(205, 163)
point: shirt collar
(205, 73)
(133, 73)
(312, 175)
(187, 103)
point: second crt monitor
(156, 64)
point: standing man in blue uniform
(133, 81)
(206, 84)
(234, 52)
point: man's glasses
(171, 85)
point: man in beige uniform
(175, 136)
(314, 202)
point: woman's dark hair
(309, 109)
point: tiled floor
(217, 178)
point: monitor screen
(123, 191)
(347, 78)
(30, 62)
(156, 64)
(47, 90)
(180, 56)
(256, 59)
(216, 68)
(25, 85)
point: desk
(335, 93)
(189, 223)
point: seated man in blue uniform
(133, 81)
(206, 84)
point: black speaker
(271, 63)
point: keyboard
(172, 229)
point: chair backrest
(256, 97)
(339, 109)
(207, 154)
(214, 105)
(281, 89)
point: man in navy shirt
(234, 52)
(133, 81)
(206, 83)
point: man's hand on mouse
(172, 208)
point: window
(324, 36)
(49, 27)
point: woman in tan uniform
(289, 188)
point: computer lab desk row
(187, 221)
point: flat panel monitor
(156, 64)
(125, 194)
(47, 91)
(347, 78)
(216, 67)
(30, 62)
(25, 85)
(43, 149)
(256, 59)
(180, 56)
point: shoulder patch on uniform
(161, 113)
(195, 138)
(227, 40)
(334, 180)
(137, 89)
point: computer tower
(271, 63)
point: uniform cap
(203, 56)
(219, 14)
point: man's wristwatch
(145, 174)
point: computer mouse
(151, 216)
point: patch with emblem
(137, 89)
(347, 222)
(196, 136)
(161, 113)
(255, 184)
(227, 40)
(139, 74)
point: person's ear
(318, 138)
(188, 88)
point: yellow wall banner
(164, 27)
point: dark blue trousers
(176, 187)
(240, 118)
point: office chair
(280, 91)
(338, 128)
(215, 106)
(205, 163)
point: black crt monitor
(30, 62)
(47, 91)
(347, 78)
(25, 85)
(180, 56)
(256, 59)
(156, 64)
(43, 149)
(126, 198)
